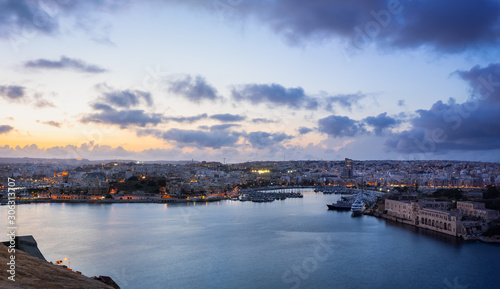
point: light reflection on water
(231, 244)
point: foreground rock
(32, 272)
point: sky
(241, 80)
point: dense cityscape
(81, 179)
(463, 193)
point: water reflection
(427, 233)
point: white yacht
(358, 207)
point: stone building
(478, 210)
(425, 214)
(437, 220)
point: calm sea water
(296, 243)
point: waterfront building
(399, 209)
(425, 214)
(437, 220)
(478, 210)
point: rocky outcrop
(35, 272)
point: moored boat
(358, 207)
(344, 204)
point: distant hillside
(83, 161)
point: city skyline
(241, 80)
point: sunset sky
(250, 80)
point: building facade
(477, 210)
(424, 214)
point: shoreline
(487, 240)
(483, 239)
(113, 201)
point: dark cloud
(446, 25)
(467, 25)
(484, 82)
(5, 129)
(194, 89)
(274, 95)
(401, 102)
(262, 139)
(187, 119)
(12, 92)
(214, 139)
(344, 100)
(223, 126)
(36, 16)
(17, 94)
(340, 126)
(64, 63)
(127, 98)
(15, 15)
(304, 130)
(101, 106)
(469, 126)
(122, 118)
(299, 20)
(262, 120)
(381, 122)
(124, 115)
(227, 117)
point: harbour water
(295, 243)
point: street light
(69, 261)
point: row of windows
(440, 216)
(436, 224)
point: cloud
(52, 123)
(340, 126)
(89, 150)
(223, 126)
(126, 98)
(262, 120)
(381, 122)
(346, 101)
(397, 23)
(227, 117)
(304, 130)
(40, 102)
(23, 13)
(17, 94)
(194, 89)
(187, 119)
(263, 140)
(469, 25)
(64, 63)
(44, 17)
(469, 126)
(274, 95)
(214, 139)
(123, 118)
(101, 106)
(4, 129)
(12, 92)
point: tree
(491, 192)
